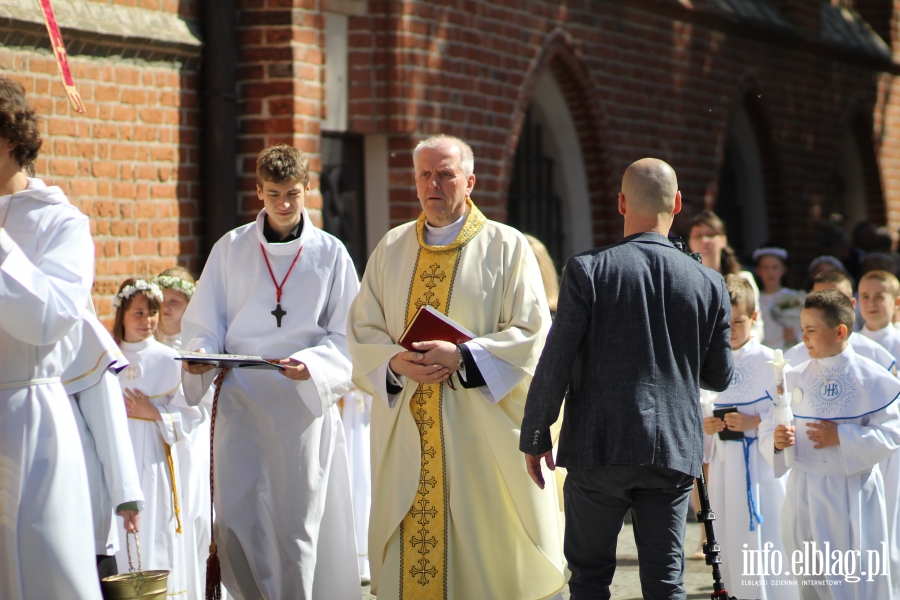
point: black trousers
(596, 501)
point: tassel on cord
(213, 568)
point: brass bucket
(136, 585)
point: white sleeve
(864, 446)
(330, 369)
(41, 301)
(766, 445)
(103, 410)
(500, 376)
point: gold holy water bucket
(136, 585)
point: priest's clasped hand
(413, 365)
(293, 369)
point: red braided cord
(212, 458)
(278, 288)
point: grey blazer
(639, 328)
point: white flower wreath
(170, 282)
(141, 285)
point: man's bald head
(650, 187)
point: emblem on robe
(831, 391)
(743, 382)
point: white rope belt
(29, 383)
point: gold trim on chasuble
(424, 529)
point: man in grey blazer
(640, 327)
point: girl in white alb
(177, 286)
(159, 422)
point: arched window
(848, 202)
(741, 202)
(548, 192)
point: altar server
(46, 270)
(279, 288)
(743, 491)
(862, 345)
(178, 286)
(879, 295)
(454, 514)
(846, 421)
(158, 419)
(99, 409)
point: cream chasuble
(455, 513)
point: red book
(428, 325)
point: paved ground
(626, 584)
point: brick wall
(280, 83)
(131, 161)
(641, 79)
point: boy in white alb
(865, 347)
(879, 296)
(846, 421)
(743, 491)
(284, 518)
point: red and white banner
(62, 59)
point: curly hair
(18, 123)
(281, 163)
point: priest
(454, 513)
(46, 270)
(280, 288)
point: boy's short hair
(835, 278)
(281, 163)
(18, 123)
(889, 279)
(741, 293)
(835, 307)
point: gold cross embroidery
(429, 299)
(429, 275)
(425, 482)
(421, 543)
(422, 571)
(424, 511)
(422, 394)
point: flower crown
(145, 287)
(170, 282)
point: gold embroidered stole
(424, 529)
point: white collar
(284, 248)
(457, 225)
(137, 346)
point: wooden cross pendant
(278, 313)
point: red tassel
(213, 575)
